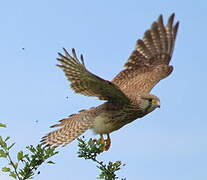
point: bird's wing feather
(86, 83)
(149, 62)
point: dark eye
(150, 100)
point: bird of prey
(127, 96)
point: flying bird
(127, 96)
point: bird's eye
(150, 100)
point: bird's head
(149, 102)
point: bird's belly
(102, 124)
(106, 123)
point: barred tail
(71, 128)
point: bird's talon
(107, 143)
(102, 141)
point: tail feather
(71, 128)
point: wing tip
(171, 20)
(175, 28)
(160, 19)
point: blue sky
(170, 143)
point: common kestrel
(127, 95)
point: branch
(90, 150)
(26, 165)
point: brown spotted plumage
(127, 94)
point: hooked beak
(157, 104)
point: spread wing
(149, 62)
(86, 83)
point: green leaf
(12, 174)
(20, 155)
(50, 162)
(2, 143)
(2, 125)
(11, 146)
(3, 154)
(5, 169)
(7, 138)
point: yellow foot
(107, 143)
(102, 141)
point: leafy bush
(26, 165)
